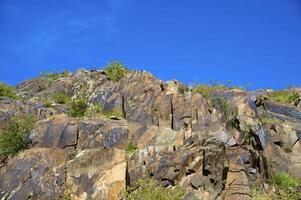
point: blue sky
(252, 41)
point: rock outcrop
(146, 129)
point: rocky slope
(143, 128)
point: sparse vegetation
(131, 148)
(48, 104)
(284, 96)
(116, 113)
(283, 187)
(182, 89)
(60, 98)
(14, 136)
(7, 91)
(229, 111)
(96, 110)
(266, 119)
(115, 71)
(55, 76)
(151, 190)
(284, 180)
(208, 90)
(78, 108)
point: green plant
(115, 113)
(151, 190)
(283, 187)
(60, 98)
(55, 76)
(265, 119)
(14, 136)
(284, 180)
(48, 104)
(78, 108)
(94, 110)
(276, 193)
(246, 135)
(182, 89)
(228, 111)
(115, 71)
(284, 96)
(208, 90)
(131, 148)
(7, 91)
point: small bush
(284, 180)
(283, 187)
(116, 113)
(115, 71)
(208, 90)
(182, 89)
(14, 136)
(265, 119)
(7, 91)
(48, 104)
(78, 108)
(94, 110)
(284, 96)
(276, 193)
(131, 148)
(151, 190)
(55, 76)
(228, 111)
(61, 98)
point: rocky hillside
(120, 134)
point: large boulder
(78, 134)
(97, 174)
(34, 174)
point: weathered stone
(295, 160)
(237, 186)
(34, 174)
(287, 110)
(149, 135)
(276, 158)
(97, 174)
(102, 133)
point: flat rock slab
(97, 174)
(34, 174)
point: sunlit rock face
(220, 146)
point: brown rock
(97, 174)
(34, 174)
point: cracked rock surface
(178, 138)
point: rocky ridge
(148, 129)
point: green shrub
(116, 113)
(7, 91)
(115, 71)
(150, 190)
(131, 148)
(265, 119)
(55, 76)
(182, 89)
(228, 111)
(208, 90)
(78, 108)
(48, 104)
(60, 98)
(284, 96)
(94, 110)
(284, 180)
(14, 136)
(283, 187)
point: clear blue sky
(251, 41)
